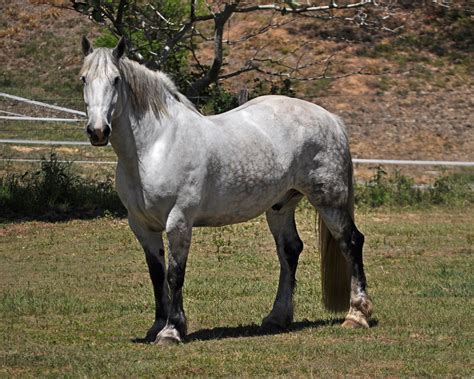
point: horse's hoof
(352, 324)
(167, 341)
(168, 336)
(152, 333)
(271, 325)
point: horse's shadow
(254, 330)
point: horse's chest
(144, 200)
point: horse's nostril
(107, 131)
(89, 130)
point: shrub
(400, 190)
(455, 189)
(55, 191)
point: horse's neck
(123, 141)
(132, 136)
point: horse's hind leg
(350, 241)
(281, 221)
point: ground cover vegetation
(75, 295)
(56, 190)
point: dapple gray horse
(178, 169)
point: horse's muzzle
(98, 137)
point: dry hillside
(414, 100)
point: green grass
(49, 68)
(42, 131)
(74, 295)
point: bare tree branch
(161, 16)
(301, 8)
(212, 75)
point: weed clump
(399, 190)
(54, 191)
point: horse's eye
(83, 79)
(116, 80)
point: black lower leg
(282, 312)
(289, 246)
(356, 244)
(156, 267)
(176, 315)
(291, 252)
(360, 304)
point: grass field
(75, 294)
(42, 130)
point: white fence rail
(412, 163)
(41, 104)
(398, 162)
(43, 142)
(47, 119)
(27, 160)
(355, 161)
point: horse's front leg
(152, 243)
(179, 233)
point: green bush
(55, 191)
(400, 190)
(455, 189)
(217, 100)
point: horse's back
(280, 114)
(292, 126)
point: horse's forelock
(99, 63)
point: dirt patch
(23, 228)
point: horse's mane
(148, 89)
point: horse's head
(101, 78)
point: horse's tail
(335, 274)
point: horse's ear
(86, 46)
(119, 50)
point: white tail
(335, 273)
